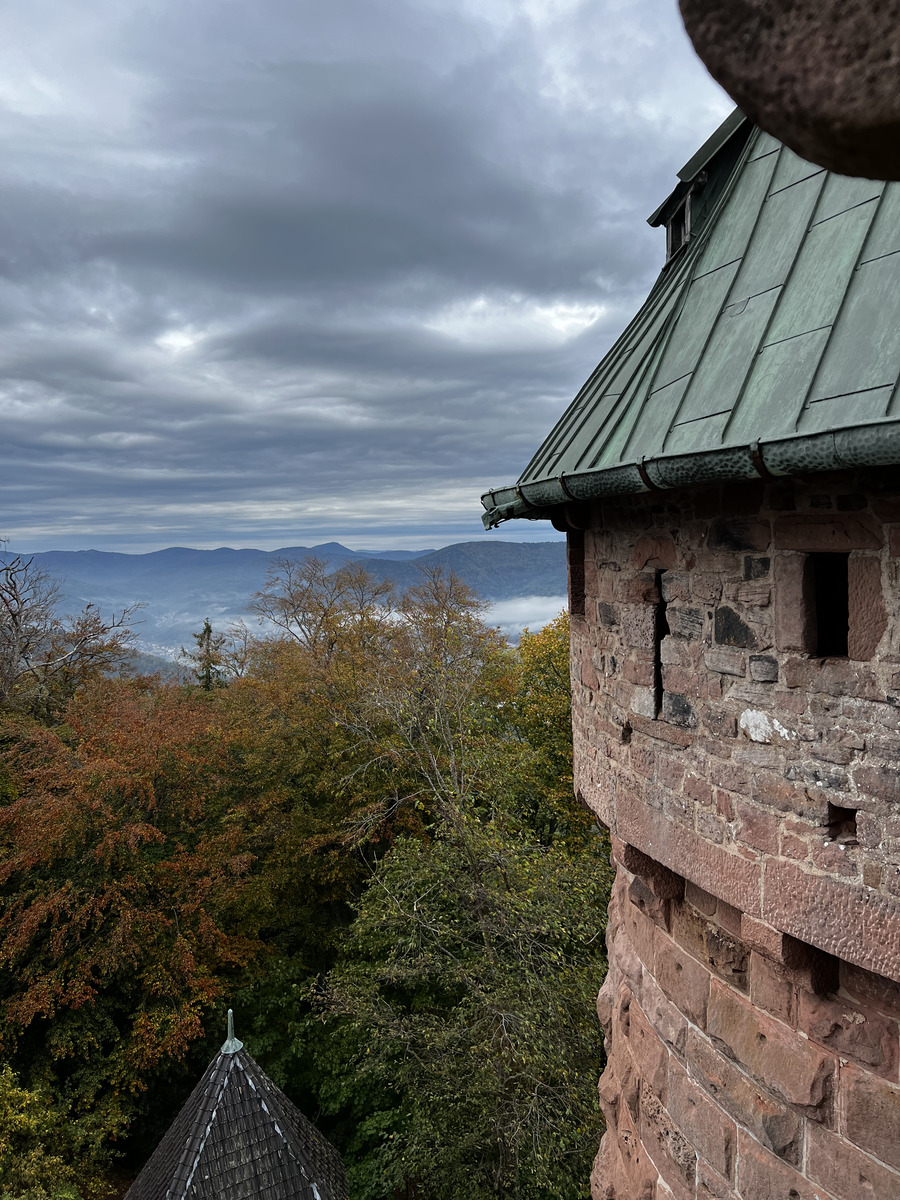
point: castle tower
(729, 481)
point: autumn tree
(317, 607)
(44, 657)
(119, 880)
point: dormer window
(678, 227)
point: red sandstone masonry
(754, 990)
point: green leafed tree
(462, 1010)
(36, 1145)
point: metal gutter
(875, 444)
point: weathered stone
(685, 622)
(844, 1171)
(709, 1130)
(671, 1152)
(871, 989)
(794, 610)
(726, 661)
(871, 1110)
(772, 989)
(819, 76)
(665, 884)
(763, 668)
(607, 614)
(684, 981)
(734, 533)
(762, 1176)
(847, 920)
(813, 534)
(868, 616)
(678, 710)
(774, 1124)
(851, 1031)
(730, 630)
(653, 551)
(775, 1056)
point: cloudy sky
(279, 272)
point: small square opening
(831, 600)
(842, 824)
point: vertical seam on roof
(851, 275)
(646, 364)
(713, 218)
(566, 430)
(760, 345)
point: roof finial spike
(232, 1045)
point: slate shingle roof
(770, 344)
(239, 1138)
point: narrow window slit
(575, 555)
(661, 629)
(831, 600)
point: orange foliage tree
(118, 868)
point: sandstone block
(772, 989)
(871, 989)
(771, 1122)
(727, 956)
(714, 868)
(709, 1130)
(763, 668)
(730, 630)
(704, 902)
(840, 534)
(710, 1185)
(653, 551)
(758, 828)
(759, 936)
(670, 1025)
(648, 1052)
(663, 882)
(726, 661)
(639, 929)
(772, 1053)
(852, 1032)
(844, 1171)
(868, 616)
(762, 1176)
(871, 1109)
(845, 919)
(793, 603)
(672, 1154)
(734, 533)
(683, 979)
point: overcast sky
(278, 272)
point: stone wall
(752, 791)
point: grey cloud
(267, 270)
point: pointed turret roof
(239, 1138)
(769, 345)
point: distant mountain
(179, 587)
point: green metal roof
(770, 343)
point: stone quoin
(729, 482)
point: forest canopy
(356, 827)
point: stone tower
(728, 480)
